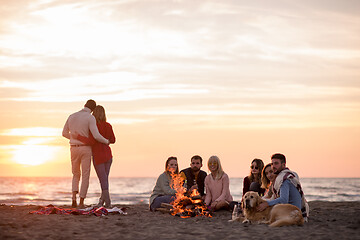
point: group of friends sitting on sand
(274, 182)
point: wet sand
(328, 220)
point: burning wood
(164, 210)
(185, 206)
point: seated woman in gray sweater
(164, 191)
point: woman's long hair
(219, 172)
(265, 182)
(167, 162)
(99, 114)
(260, 165)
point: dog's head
(250, 200)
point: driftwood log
(167, 205)
(165, 208)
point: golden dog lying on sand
(277, 216)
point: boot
(101, 200)
(106, 197)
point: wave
(325, 188)
(348, 195)
(18, 194)
(64, 193)
(26, 200)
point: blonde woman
(217, 186)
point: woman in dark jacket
(253, 181)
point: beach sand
(328, 220)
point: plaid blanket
(50, 209)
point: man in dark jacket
(194, 176)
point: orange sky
(236, 79)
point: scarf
(269, 194)
(286, 174)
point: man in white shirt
(81, 122)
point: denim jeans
(102, 171)
(161, 199)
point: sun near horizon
(240, 80)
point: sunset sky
(236, 79)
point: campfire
(185, 206)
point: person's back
(82, 123)
(79, 122)
(102, 152)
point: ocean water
(57, 191)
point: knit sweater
(101, 152)
(217, 189)
(162, 187)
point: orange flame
(183, 205)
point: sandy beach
(329, 220)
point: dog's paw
(246, 221)
(237, 219)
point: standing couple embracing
(90, 136)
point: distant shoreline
(328, 220)
(94, 177)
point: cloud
(32, 132)
(184, 57)
(111, 86)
